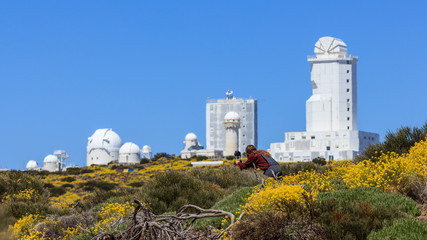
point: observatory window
(328, 148)
(292, 138)
(303, 137)
(331, 157)
(313, 137)
(348, 128)
(348, 62)
(348, 80)
(348, 89)
(348, 119)
(348, 99)
(348, 109)
(348, 71)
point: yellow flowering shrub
(391, 173)
(23, 229)
(109, 214)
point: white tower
(333, 105)
(103, 147)
(129, 153)
(62, 156)
(232, 125)
(147, 152)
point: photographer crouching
(259, 159)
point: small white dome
(129, 148)
(190, 137)
(146, 149)
(104, 138)
(51, 159)
(232, 116)
(32, 165)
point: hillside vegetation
(378, 198)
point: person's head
(250, 149)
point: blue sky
(145, 68)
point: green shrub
(78, 170)
(292, 220)
(294, 168)
(354, 213)
(226, 176)
(57, 191)
(144, 160)
(69, 185)
(69, 179)
(402, 229)
(319, 160)
(169, 191)
(101, 185)
(136, 184)
(374, 196)
(231, 204)
(399, 142)
(230, 157)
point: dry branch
(147, 226)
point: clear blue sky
(145, 68)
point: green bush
(78, 170)
(402, 229)
(399, 142)
(291, 220)
(144, 160)
(57, 191)
(294, 168)
(225, 176)
(69, 179)
(354, 213)
(231, 204)
(319, 160)
(101, 185)
(374, 196)
(169, 191)
(230, 157)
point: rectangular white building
(215, 113)
(331, 112)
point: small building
(192, 148)
(129, 153)
(51, 163)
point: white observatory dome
(129, 148)
(32, 165)
(51, 159)
(190, 137)
(232, 116)
(51, 163)
(103, 147)
(146, 152)
(329, 46)
(129, 153)
(146, 149)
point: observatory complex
(331, 112)
(52, 162)
(216, 129)
(192, 148)
(105, 146)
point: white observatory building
(147, 152)
(331, 111)
(129, 153)
(51, 163)
(231, 125)
(193, 148)
(32, 166)
(215, 113)
(103, 147)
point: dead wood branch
(147, 226)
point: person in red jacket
(262, 160)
